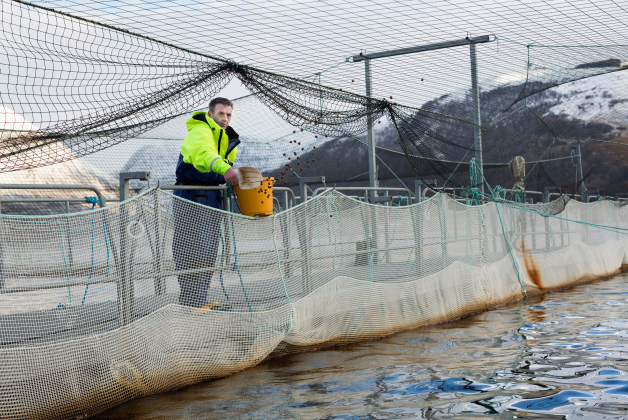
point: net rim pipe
(54, 187)
(285, 190)
(325, 189)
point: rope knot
(93, 201)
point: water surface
(563, 355)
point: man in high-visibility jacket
(207, 156)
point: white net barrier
(90, 312)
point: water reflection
(563, 355)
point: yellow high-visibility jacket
(207, 146)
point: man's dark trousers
(197, 235)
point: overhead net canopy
(80, 77)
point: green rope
(67, 272)
(283, 280)
(353, 177)
(380, 159)
(514, 263)
(237, 266)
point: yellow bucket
(256, 201)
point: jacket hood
(200, 118)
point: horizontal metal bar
(51, 200)
(316, 191)
(346, 254)
(22, 289)
(429, 47)
(542, 232)
(288, 190)
(53, 187)
(113, 279)
(192, 187)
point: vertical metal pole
(444, 229)
(533, 229)
(579, 160)
(477, 131)
(284, 225)
(416, 218)
(125, 285)
(160, 284)
(303, 231)
(417, 191)
(371, 131)
(124, 189)
(67, 207)
(1, 248)
(303, 188)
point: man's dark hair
(222, 101)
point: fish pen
(90, 310)
(421, 176)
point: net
(96, 75)
(90, 301)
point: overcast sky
(60, 65)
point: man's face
(222, 115)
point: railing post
(284, 225)
(1, 245)
(126, 291)
(444, 229)
(417, 190)
(303, 181)
(533, 229)
(304, 233)
(548, 246)
(306, 249)
(160, 284)
(416, 219)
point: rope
(94, 201)
(67, 273)
(283, 280)
(236, 265)
(514, 263)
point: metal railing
(49, 187)
(366, 191)
(286, 193)
(124, 274)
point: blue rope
(94, 201)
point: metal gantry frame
(475, 93)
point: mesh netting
(90, 301)
(82, 77)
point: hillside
(595, 108)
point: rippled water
(561, 355)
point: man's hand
(231, 176)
